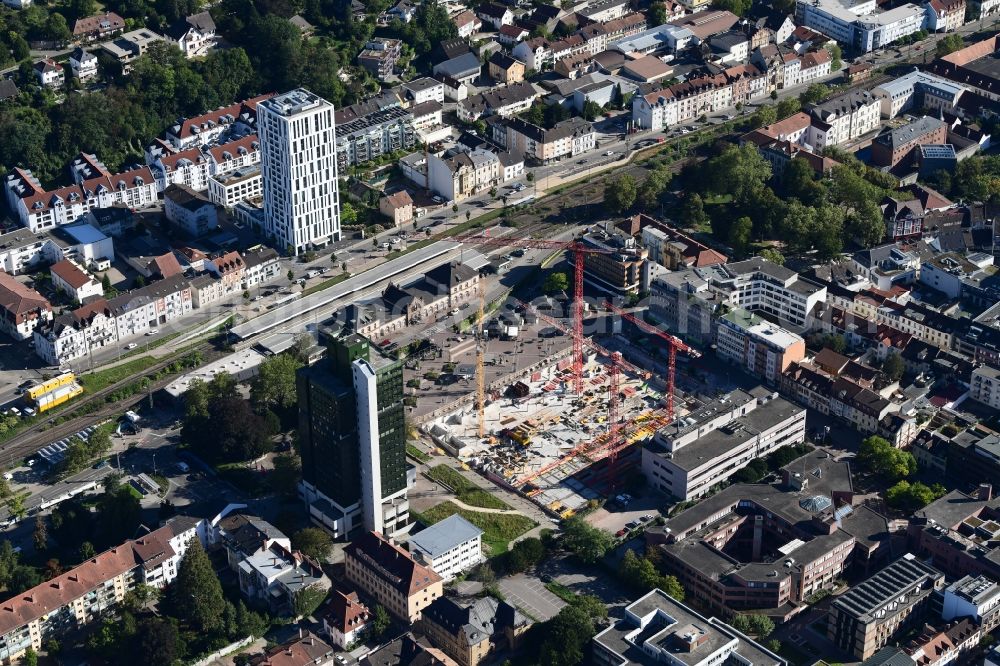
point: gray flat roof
(441, 537)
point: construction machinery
(674, 344)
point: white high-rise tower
(299, 167)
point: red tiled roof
(193, 155)
(304, 651)
(19, 300)
(234, 149)
(214, 117)
(166, 265)
(47, 199)
(70, 273)
(396, 566)
(346, 612)
(93, 23)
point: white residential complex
(862, 26)
(299, 166)
(449, 547)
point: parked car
(131, 345)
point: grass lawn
(416, 453)
(326, 284)
(561, 591)
(498, 529)
(466, 491)
(96, 381)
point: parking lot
(528, 593)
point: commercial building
(918, 89)
(191, 212)
(299, 167)
(770, 546)
(658, 629)
(352, 438)
(93, 589)
(391, 576)
(684, 303)
(862, 26)
(763, 349)
(895, 146)
(760, 286)
(870, 615)
(449, 547)
(689, 457)
(568, 138)
(232, 187)
(974, 597)
(615, 264)
(957, 533)
(471, 633)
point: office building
(299, 167)
(921, 90)
(352, 439)
(391, 576)
(870, 615)
(690, 456)
(449, 547)
(896, 145)
(615, 263)
(658, 629)
(977, 598)
(863, 26)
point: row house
(503, 101)
(945, 15)
(208, 128)
(195, 167)
(568, 138)
(92, 590)
(260, 264)
(600, 37)
(698, 95)
(40, 209)
(102, 322)
(921, 322)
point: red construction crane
(673, 345)
(579, 250)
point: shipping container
(57, 397)
(50, 385)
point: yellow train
(50, 385)
(57, 397)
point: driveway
(530, 595)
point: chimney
(985, 492)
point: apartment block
(568, 138)
(373, 134)
(870, 615)
(688, 458)
(763, 349)
(471, 633)
(230, 188)
(847, 116)
(758, 285)
(22, 308)
(380, 56)
(391, 576)
(985, 386)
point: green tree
(641, 574)
(653, 188)
(761, 626)
(884, 459)
(814, 94)
(693, 213)
(274, 386)
(23, 578)
(196, 594)
(250, 622)
(620, 193)
(308, 600)
(41, 535)
(909, 497)
(591, 110)
(555, 283)
(566, 637)
(314, 542)
(948, 44)
(738, 7)
(740, 171)
(739, 235)
(380, 621)
(766, 115)
(893, 367)
(773, 256)
(30, 658)
(588, 543)
(657, 13)
(159, 642)
(867, 224)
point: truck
(50, 384)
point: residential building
(670, 247)
(21, 249)
(467, 23)
(398, 207)
(194, 35)
(236, 154)
(346, 619)
(275, 576)
(380, 56)
(306, 649)
(945, 15)
(497, 15)
(353, 441)
(126, 48)
(428, 116)
(191, 212)
(21, 308)
(98, 26)
(763, 349)
(8, 89)
(299, 167)
(391, 576)
(457, 175)
(758, 285)
(659, 629)
(450, 547)
(190, 167)
(682, 301)
(471, 633)
(408, 649)
(505, 69)
(863, 25)
(230, 188)
(92, 590)
(985, 386)
(236, 119)
(568, 138)
(895, 146)
(769, 546)
(261, 264)
(689, 457)
(373, 134)
(50, 73)
(40, 209)
(918, 89)
(83, 63)
(870, 615)
(424, 89)
(73, 281)
(504, 101)
(845, 118)
(613, 262)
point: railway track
(28, 442)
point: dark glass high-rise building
(352, 438)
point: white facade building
(862, 26)
(299, 167)
(985, 386)
(449, 547)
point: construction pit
(547, 443)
